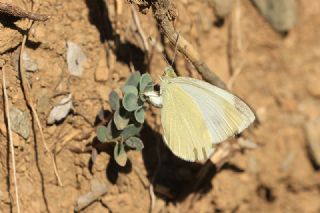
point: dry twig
(140, 30)
(21, 13)
(29, 101)
(164, 13)
(6, 103)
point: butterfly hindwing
(185, 129)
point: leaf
(133, 79)
(120, 120)
(130, 89)
(135, 143)
(102, 133)
(130, 131)
(139, 114)
(120, 154)
(130, 102)
(145, 81)
(114, 100)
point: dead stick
(164, 13)
(21, 13)
(29, 101)
(6, 103)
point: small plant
(128, 117)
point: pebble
(29, 64)
(313, 139)
(282, 15)
(223, 7)
(20, 122)
(75, 59)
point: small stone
(223, 7)
(102, 71)
(29, 64)
(75, 59)
(60, 111)
(313, 138)
(19, 122)
(282, 15)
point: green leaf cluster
(128, 117)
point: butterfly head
(169, 73)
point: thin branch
(164, 13)
(21, 13)
(6, 103)
(29, 101)
(140, 30)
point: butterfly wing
(225, 114)
(184, 127)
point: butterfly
(196, 115)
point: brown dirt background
(279, 80)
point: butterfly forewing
(185, 129)
(225, 114)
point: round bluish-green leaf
(102, 134)
(120, 154)
(130, 131)
(135, 143)
(120, 119)
(114, 100)
(130, 102)
(130, 89)
(145, 80)
(133, 79)
(139, 114)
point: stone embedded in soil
(313, 138)
(282, 15)
(75, 59)
(20, 122)
(223, 7)
(102, 71)
(29, 64)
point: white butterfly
(196, 115)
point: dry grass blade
(235, 33)
(29, 100)
(140, 30)
(6, 103)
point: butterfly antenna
(175, 49)
(165, 59)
